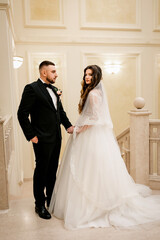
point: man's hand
(34, 140)
(70, 129)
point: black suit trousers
(47, 155)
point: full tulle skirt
(93, 187)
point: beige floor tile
(21, 223)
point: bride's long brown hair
(86, 88)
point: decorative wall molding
(34, 59)
(6, 5)
(156, 7)
(113, 56)
(106, 26)
(156, 83)
(121, 88)
(43, 23)
(90, 41)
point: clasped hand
(70, 130)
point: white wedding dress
(93, 187)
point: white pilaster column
(5, 98)
(8, 104)
(139, 144)
(5, 60)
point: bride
(93, 187)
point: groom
(40, 115)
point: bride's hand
(81, 129)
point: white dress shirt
(52, 94)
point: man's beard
(49, 80)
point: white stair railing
(140, 148)
(154, 150)
(6, 151)
(123, 140)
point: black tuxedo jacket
(38, 116)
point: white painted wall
(75, 43)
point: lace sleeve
(91, 112)
(95, 105)
(95, 111)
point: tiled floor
(21, 223)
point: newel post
(139, 142)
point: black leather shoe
(42, 212)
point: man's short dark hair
(45, 63)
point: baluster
(128, 152)
(151, 158)
(158, 158)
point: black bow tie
(48, 85)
